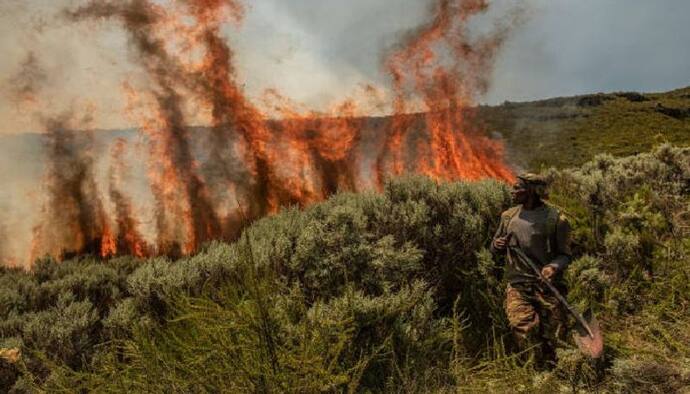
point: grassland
(568, 131)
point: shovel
(588, 336)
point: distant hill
(568, 131)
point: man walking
(536, 317)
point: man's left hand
(548, 272)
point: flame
(128, 239)
(74, 219)
(108, 243)
(444, 68)
(254, 165)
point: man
(543, 234)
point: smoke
(441, 69)
(129, 240)
(178, 187)
(232, 116)
(22, 87)
(3, 237)
(73, 219)
(207, 183)
(25, 84)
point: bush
(588, 280)
(65, 333)
(371, 291)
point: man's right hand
(501, 243)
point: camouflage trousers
(537, 320)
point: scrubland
(373, 292)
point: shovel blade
(590, 345)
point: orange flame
(252, 166)
(445, 68)
(128, 240)
(108, 243)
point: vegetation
(569, 131)
(389, 292)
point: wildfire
(446, 69)
(74, 220)
(252, 165)
(128, 239)
(108, 243)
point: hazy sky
(319, 51)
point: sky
(318, 51)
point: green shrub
(370, 291)
(65, 333)
(18, 293)
(97, 283)
(588, 281)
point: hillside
(371, 292)
(569, 131)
